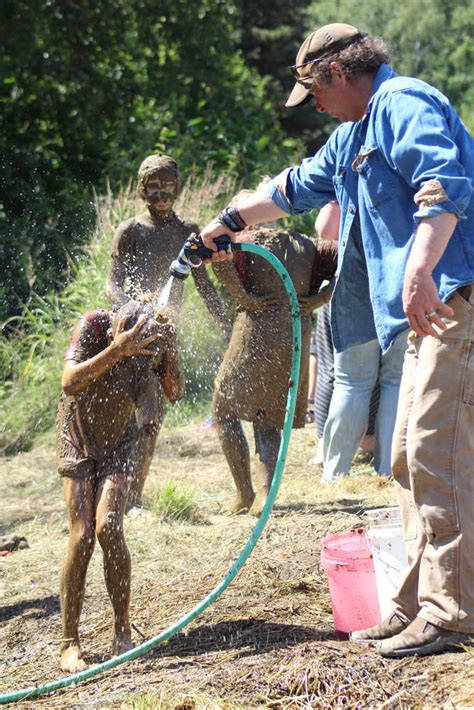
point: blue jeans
(356, 371)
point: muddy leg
(110, 507)
(142, 455)
(267, 444)
(79, 495)
(236, 450)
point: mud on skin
(142, 251)
(252, 382)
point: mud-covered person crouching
(142, 251)
(111, 359)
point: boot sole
(439, 645)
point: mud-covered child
(112, 357)
(142, 251)
(252, 381)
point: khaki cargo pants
(433, 467)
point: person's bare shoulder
(124, 232)
(265, 236)
(188, 226)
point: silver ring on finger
(430, 315)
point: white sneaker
(318, 460)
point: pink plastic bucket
(347, 559)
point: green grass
(174, 501)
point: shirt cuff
(434, 210)
(277, 192)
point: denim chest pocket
(338, 181)
(377, 180)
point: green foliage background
(88, 88)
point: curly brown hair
(364, 56)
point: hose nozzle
(192, 254)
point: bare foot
(71, 661)
(121, 644)
(238, 505)
(257, 506)
(133, 502)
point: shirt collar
(384, 73)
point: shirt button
(343, 243)
(351, 210)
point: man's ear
(336, 70)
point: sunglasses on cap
(306, 79)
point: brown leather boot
(421, 638)
(390, 626)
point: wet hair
(364, 56)
(131, 311)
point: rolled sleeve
(416, 129)
(432, 211)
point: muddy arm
(324, 269)
(117, 271)
(209, 295)
(115, 280)
(171, 376)
(229, 278)
(77, 376)
(309, 303)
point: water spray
(191, 256)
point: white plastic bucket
(387, 545)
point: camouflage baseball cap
(321, 42)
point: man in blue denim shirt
(401, 166)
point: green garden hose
(35, 691)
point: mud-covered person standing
(142, 251)
(252, 382)
(106, 368)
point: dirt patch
(268, 641)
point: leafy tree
(269, 42)
(96, 86)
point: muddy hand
(306, 306)
(134, 341)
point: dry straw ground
(268, 642)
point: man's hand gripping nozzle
(192, 254)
